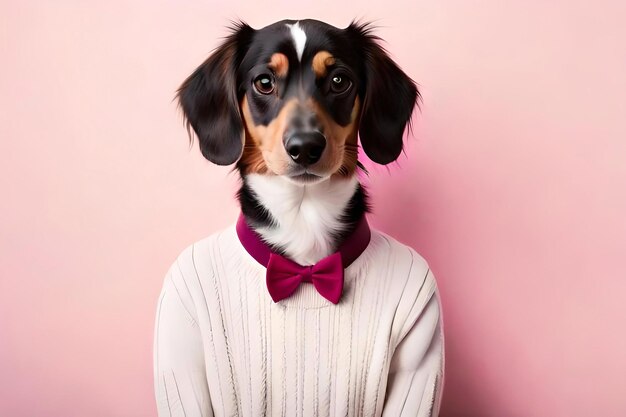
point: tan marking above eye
(321, 61)
(279, 63)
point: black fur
(356, 208)
(389, 98)
(210, 98)
(251, 207)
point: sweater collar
(350, 249)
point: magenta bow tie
(283, 276)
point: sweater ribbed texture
(224, 348)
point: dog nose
(306, 148)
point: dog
(289, 105)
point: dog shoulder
(407, 264)
(412, 283)
(198, 264)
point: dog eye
(264, 84)
(340, 84)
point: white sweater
(224, 348)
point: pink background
(514, 190)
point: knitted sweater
(223, 348)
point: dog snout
(305, 148)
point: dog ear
(210, 103)
(390, 96)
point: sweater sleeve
(415, 379)
(179, 372)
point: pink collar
(350, 249)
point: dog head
(291, 99)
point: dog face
(292, 98)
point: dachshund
(350, 323)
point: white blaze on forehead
(299, 38)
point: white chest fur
(307, 216)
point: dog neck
(305, 222)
